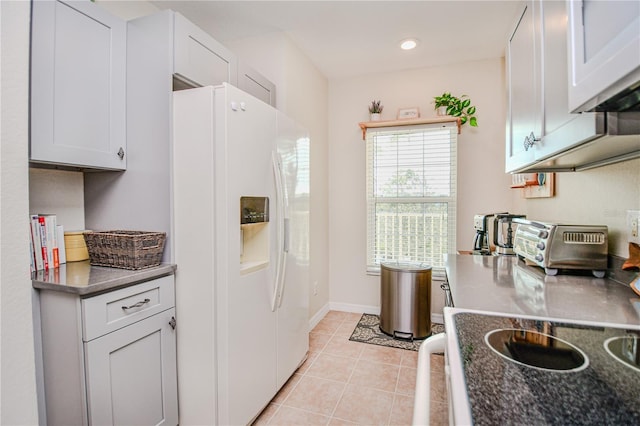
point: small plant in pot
(447, 104)
(375, 109)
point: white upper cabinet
(199, 60)
(604, 44)
(542, 133)
(523, 101)
(78, 74)
(250, 81)
(560, 130)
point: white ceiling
(351, 38)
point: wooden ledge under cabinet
(408, 122)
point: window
(411, 194)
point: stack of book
(46, 242)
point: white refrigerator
(241, 234)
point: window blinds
(411, 194)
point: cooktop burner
(537, 350)
(625, 349)
(526, 370)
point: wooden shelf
(409, 122)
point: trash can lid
(406, 266)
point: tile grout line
(321, 351)
(346, 385)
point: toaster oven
(555, 246)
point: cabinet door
(561, 130)
(199, 60)
(604, 43)
(78, 71)
(256, 84)
(131, 374)
(523, 102)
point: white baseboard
(437, 318)
(318, 316)
(358, 309)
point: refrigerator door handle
(285, 248)
(281, 224)
(282, 275)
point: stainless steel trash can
(405, 300)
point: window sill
(409, 122)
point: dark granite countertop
(85, 280)
(505, 284)
(507, 393)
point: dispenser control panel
(254, 210)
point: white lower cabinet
(130, 372)
(110, 359)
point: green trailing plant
(376, 107)
(458, 107)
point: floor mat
(368, 331)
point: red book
(43, 241)
(51, 229)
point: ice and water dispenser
(254, 233)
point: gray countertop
(505, 284)
(85, 280)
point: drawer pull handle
(137, 305)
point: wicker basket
(125, 249)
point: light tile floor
(348, 383)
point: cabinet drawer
(110, 311)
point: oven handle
(421, 404)
(448, 300)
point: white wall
(58, 192)
(128, 9)
(482, 186)
(600, 196)
(17, 357)
(301, 93)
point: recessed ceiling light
(408, 44)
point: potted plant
(375, 109)
(447, 104)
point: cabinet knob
(121, 153)
(172, 323)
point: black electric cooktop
(535, 372)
